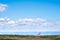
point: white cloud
(3, 7)
(39, 20)
(11, 23)
(6, 21)
(30, 21)
(30, 24)
(57, 23)
(48, 24)
(1, 19)
(1, 24)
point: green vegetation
(29, 37)
(56, 38)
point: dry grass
(17, 37)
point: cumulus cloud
(28, 21)
(30, 24)
(48, 24)
(1, 19)
(21, 22)
(3, 7)
(6, 21)
(11, 22)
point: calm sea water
(32, 33)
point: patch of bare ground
(25, 38)
(15, 37)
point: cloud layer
(23, 22)
(30, 24)
(3, 7)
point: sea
(31, 33)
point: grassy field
(29, 37)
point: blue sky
(30, 15)
(49, 9)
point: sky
(29, 15)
